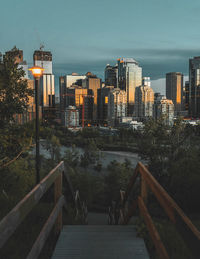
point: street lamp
(37, 73)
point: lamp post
(37, 73)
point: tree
(14, 91)
(52, 144)
(117, 179)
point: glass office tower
(129, 77)
(194, 87)
(174, 89)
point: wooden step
(99, 242)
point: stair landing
(99, 242)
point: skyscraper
(163, 108)
(194, 87)
(117, 106)
(144, 100)
(66, 82)
(129, 77)
(82, 99)
(186, 96)
(111, 75)
(174, 89)
(47, 88)
(146, 81)
(102, 104)
(93, 83)
(43, 59)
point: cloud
(154, 62)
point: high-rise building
(66, 82)
(174, 89)
(146, 81)
(129, 77)
(111, 75)
(194, 87)
(117, 106)
(47, 86)
(48, 91)
(71, 118)
(144, 100)
(43, 59)
(102, 104)
(186, 96)
(93, 83)
(163, 108)
(82, 99)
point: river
(105, 156)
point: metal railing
(15, 217)
(182, 223)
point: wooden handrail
(15, 217)
(183, 224)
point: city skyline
(77, 33)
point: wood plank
(183, 224)
(13, 219)
(152, 230)
(144, 189)
(57, 195)
(39, 243)
(100, 242)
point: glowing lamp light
(36, 71)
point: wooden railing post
(57, 195)
(144, 189)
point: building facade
(47, 86)
(83, 100)
(194, 87)
(71, 117)
(129, 77)
(92, 82)
(186, 96)
(117, 106)
(146, 81)
(174, 90)
(43, 59)
(65, 82)
(111, 75)
(144, 100)
(102, 104)
(164, 108)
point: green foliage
(72, 157)
(185, 179)
(14, 91)
(16, 181)
(172, 241)
(91, 154)
(52, 145)
(173, 158)
(117, 179)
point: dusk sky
(85, 35)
